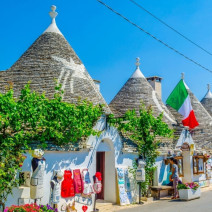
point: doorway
(100, 167)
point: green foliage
(145, 130)
(181, 186)
(34, 118)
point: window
(180, 165)
(198, 164)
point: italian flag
(180, 101)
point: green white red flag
(179, 100)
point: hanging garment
(36, 182)
(77, 181)
(67, 188)
(56, 187)
(97, 183)
(87, 187)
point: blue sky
(108, 45)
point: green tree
(146, 131)
(34, 118)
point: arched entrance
(105, 163)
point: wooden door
(100, 167)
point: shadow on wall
(126, 159)
(64, 161)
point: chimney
(155, 82)
(97, 83)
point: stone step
(104, 206)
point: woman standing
(175, 177)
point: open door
(100, 167)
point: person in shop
(174, 177)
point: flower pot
(189, 194)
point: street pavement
(204, 204)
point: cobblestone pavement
(204, 204)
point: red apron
(67, 187)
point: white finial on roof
(53, 27)
(208, 94)
(53, 14)
(137, 62)
(137, 73)
(182, 76)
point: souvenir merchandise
(63, 207)
(121, 186)
(77, 181)
(128, 188)
(71, 207)
(84, 208)
(82, 200)
(87, 186)
(67, 188)
(38, 167)
(97, 183)
(56, 188)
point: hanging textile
(98, 183)
(67, 188)
(77, 181)
(87, 187)
(36, 182)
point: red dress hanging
(67, 187)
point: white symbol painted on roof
(70, 70)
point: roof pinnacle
(208, 86)
(137, 62)
(53, 14)
(182, 76)
(137, 73)
(53, 27)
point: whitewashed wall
(111, 144)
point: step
(104, 206)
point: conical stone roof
(207, 101)
(48, 59)
(202, 135)
(136, 91)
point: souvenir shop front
(193, 165)
(72, 179)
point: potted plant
(189, 191)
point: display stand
(140, 176)
(97, 188)
(94, 207)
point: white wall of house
(58, 160)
